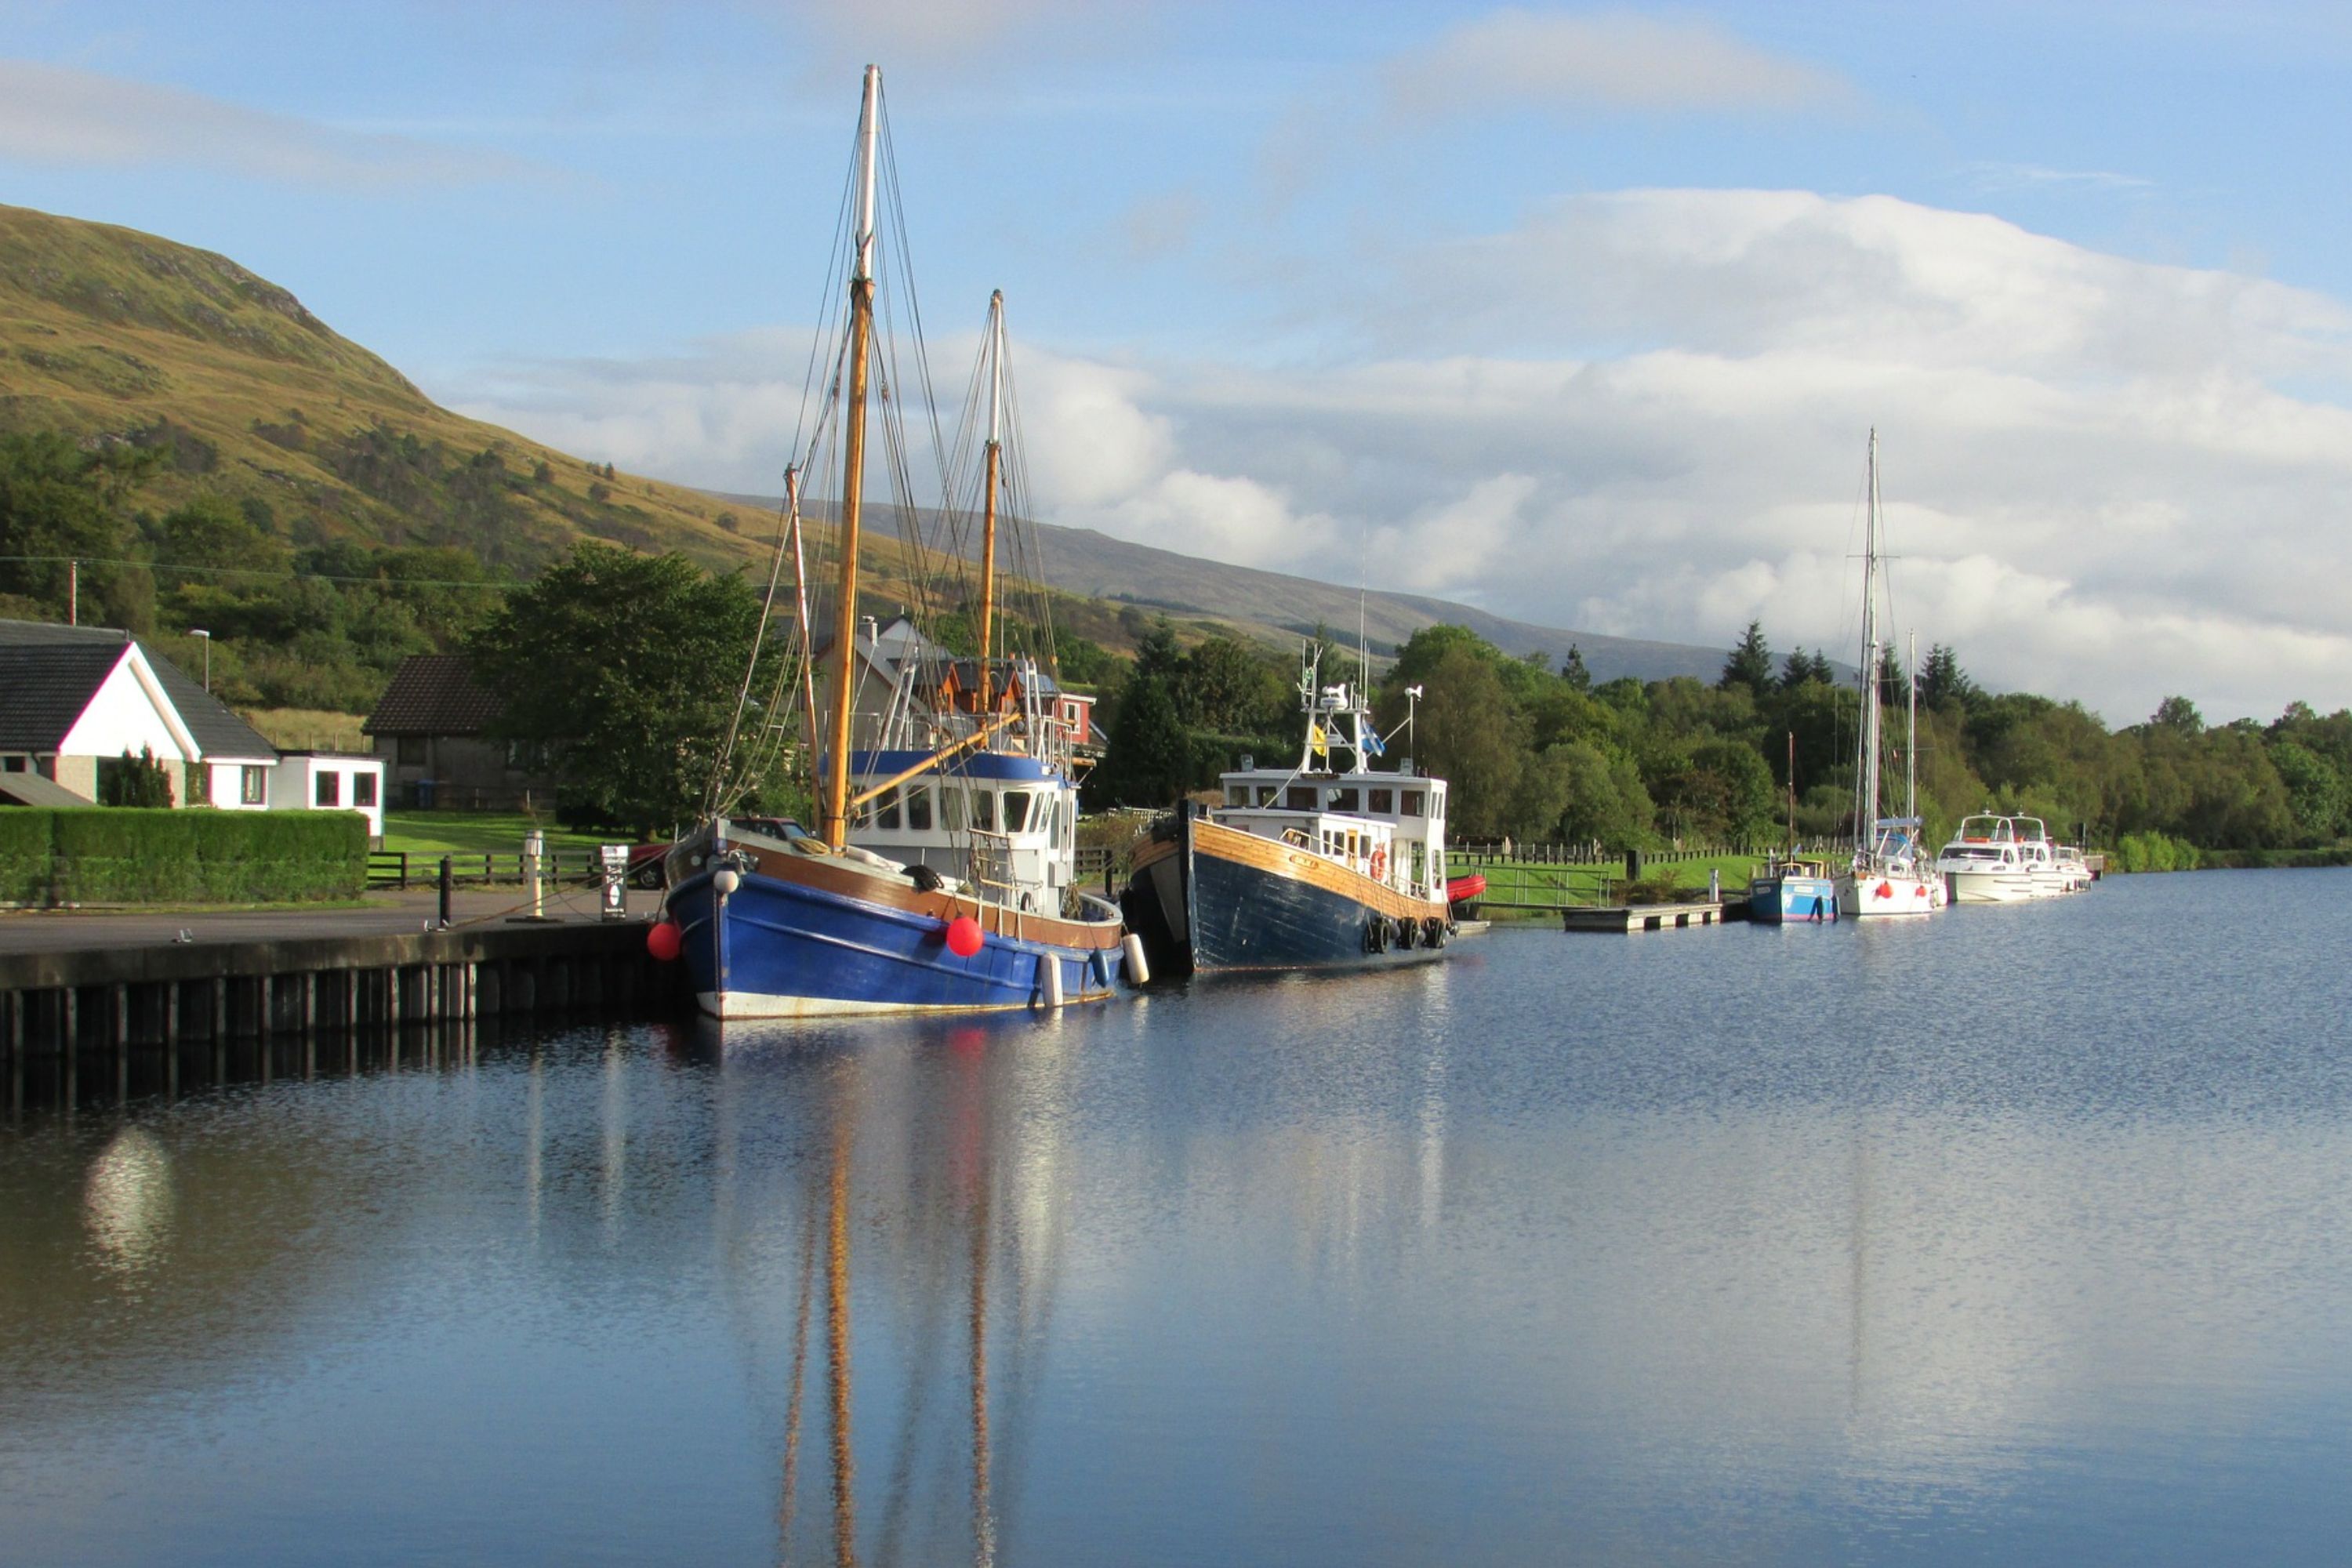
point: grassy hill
(108, 333)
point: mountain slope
(107, 333)
(1143, 581)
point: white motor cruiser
(2003, 860)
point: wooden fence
(404, 870)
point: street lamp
(200, 632)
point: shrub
(127, 854)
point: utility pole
(208, 637)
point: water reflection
(1611, 1251)
(128, 1201)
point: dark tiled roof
(433, 694)
(46, 689)
(219, 732)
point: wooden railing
(405, 868)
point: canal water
(2023, 1235)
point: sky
(1582, 315)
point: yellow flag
(1316, 739)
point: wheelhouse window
(1412, 803)
(327, 789)
(983, 810)
(253, 784)
(1016, 810)
(1266, 794)
(952, 799)
(885, 808)
(1346, 799)
(918, 808)
(1383, 803)
(1298, 797)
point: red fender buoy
(963, 936)
(662, 941)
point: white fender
(1049, 980)
(1137, 972)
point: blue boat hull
(1778, 900)
(775, 949)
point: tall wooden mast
(1866, 816)
(836, 807)
(988, 502)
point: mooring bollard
(534, 849)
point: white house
(74, 699)
(330, 781)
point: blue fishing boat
(940, 872)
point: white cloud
(2104, 478)
(1225, 519)
(52, 115)
(1571, 62)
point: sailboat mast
(988, 503)
(835, 822)
(1867, 815)
(1911, 729)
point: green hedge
(119, 856)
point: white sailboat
(1891, 874)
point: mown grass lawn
(474, 833)
(1550, 885)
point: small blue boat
(1792, 890)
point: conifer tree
(1750, 664)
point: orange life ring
(1381, 864)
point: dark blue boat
(1300, 868)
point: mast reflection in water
(1601, 1251)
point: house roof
(433, 694)
(32, 789)
(218, 732)
(48, 688)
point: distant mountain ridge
(1272, 605)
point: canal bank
(77, 983)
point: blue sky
(1578, 313)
